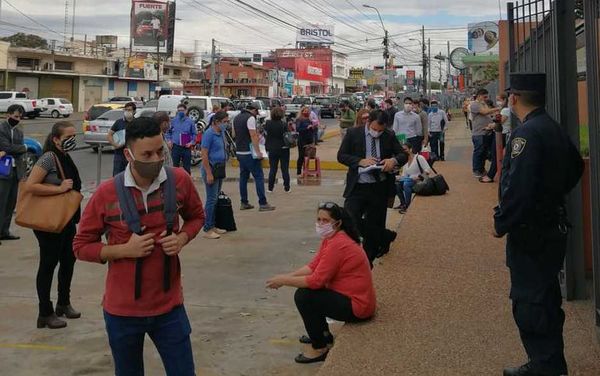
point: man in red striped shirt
(158, 310)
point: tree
(491, 72)
(26, 40)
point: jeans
(182, 156)
(170, 333)
(315, 305)
(480, 152)
(404, 189)
(434, 141)
(212, 195)
(249, 165)
(276, 156)
(54, 249)
(494, 165)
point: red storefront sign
(311, 70)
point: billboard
(149, 26)
(357, 74)
(482, 36)
(410, 77)
(310, 33)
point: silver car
(97, 131)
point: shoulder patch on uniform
(517, 146)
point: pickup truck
(30, 106)
(293, 108)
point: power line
(33, 20)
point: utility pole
(386, 56)
(157, 67)
(429, 66)
(424, 61)
(448, 73)
(212, 68)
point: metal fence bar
(592, 35)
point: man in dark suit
(367, 192)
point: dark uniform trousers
(535, 257)
(367, 205)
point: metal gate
(542, 39)
(592, 41)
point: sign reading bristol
(315, 34)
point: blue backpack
(132, 217)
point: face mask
(434, 109)
(128, 115)
(180, 114)
(374, 133)
(408, 107)
(500, 103)
(68, 144)
(13, 122)
(324, 230)
(147, 170)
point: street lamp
(386, 53)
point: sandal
(304, 360)
(485, 179)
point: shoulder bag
(430, 186)
(47, 213)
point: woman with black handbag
(214, 160)
(53, 174)
(415, 170)
(278, 149)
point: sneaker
(266, 207)
(288, 190)
(211, 235)
(246, 206)
(220, 231)
(270, 190)
(478, 174)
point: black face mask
(13, 122)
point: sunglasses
(328, 205)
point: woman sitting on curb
(413, 171)
(337, 283)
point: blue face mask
(180, 114)
(434, 109)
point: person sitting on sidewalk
(416, 168)
(143, 286)
(337, 283)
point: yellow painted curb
(325, 165)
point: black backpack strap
(170, 211)
(132, 218)
(418, 163)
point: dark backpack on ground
(224, 213)
(434, 186)
(132, 218)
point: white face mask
(408, 107)
(325, 230)
(374, 133)
(500, 103)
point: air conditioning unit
(109, 71)
(48, 66)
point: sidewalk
(443, 306)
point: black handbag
(219, 170)
(224, 213)
(430, 186)
(290, 139)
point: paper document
(364, 170)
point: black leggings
(55, 248)
(315, 305)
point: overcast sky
(239, 31)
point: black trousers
(535, 258)
(367, 205)
(275, 157)
(301, 154)
(8, 200)
(54, 249)
(315, 305)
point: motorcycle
(196, 149)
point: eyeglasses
(328, 205)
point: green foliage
(26, 40)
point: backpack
(132, 218)
(224, 218)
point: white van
(198, 107)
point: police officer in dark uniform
(540, 167)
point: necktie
(373, 148)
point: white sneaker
(219, 231)
(211, 235)
(270, 190)
(288, 191)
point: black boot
(524, 370)
(52, 322)
(68, 311)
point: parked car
(198, 107)
(327, 106)
(293, 108)
(96, 110)
(264, 112)
(31, 107)
(56, 107)
(271, 102)
(152, 103)
(138, 101)
(34, 152)
(97, 130)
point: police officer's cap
(535, 82)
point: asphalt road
(86, 159)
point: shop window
(63, 65)
(176, 72)
(166, 71)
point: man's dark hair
(531, 98)
(220, 116)
(389, 101)
(161, 116)
(14, 108)
(182, 105)
(434, 102)
(130, 105)
(379, 116)
(371, 103)
(409, 99)
(141, 128)
(482, 92)
(424, 101)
